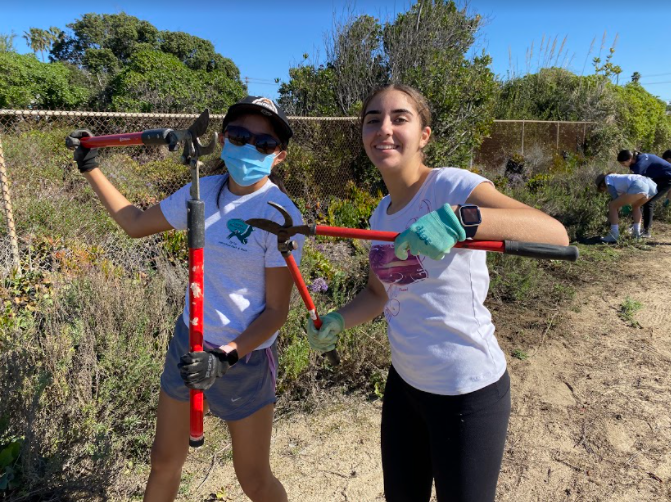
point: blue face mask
(246, 164)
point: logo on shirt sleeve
(239, 229)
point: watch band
(232, 357)
(470, 231)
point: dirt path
(591, 416)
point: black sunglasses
(240, 136)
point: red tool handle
(148, 137)
(126, 139)
(196, 408)
(332, 355)
(528, 249)
(355, 233)
(196, 237)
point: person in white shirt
(626, 190)
(247, 288)
(446, 400)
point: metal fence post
(7, 207)
(523, 137)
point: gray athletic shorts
(645, 186)
(247, 386)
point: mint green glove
(324, 339)
(432, 235)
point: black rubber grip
(156, 136)
(542, 251)
(333, 357)
(195, 221)
(196, 443)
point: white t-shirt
(235, 254)
(441, 335)
(622, 182)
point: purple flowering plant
(319, 285)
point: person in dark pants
(667, 157)
(447, 397)
(659, 170)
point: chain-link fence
(53, 209)
(509, 137)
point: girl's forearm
(524, 224)
(262, 328)
(120, 209)
(365, 307)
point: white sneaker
(635, 234)
(609, 239)
(646, 235)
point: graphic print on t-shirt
(391, 270)
(398, 273)
(239, 229)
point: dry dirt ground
(591, 418)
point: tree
(120, 33)
(635, 77)
(38, 40)
(426, 47)
(355, 56)
(7, 42)
(309, 92)
(113, 52)
(154, 81)
(25, 82)
(196, 53)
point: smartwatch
(470, 218)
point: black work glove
(85, 157)
(200, 369)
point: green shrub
(355, 210)
(68, 375)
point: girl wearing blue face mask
(247, 291)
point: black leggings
(663, 186)
(455, 440)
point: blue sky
(264, 39)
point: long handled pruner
(285, 245)
(193, 150)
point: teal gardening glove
(325, 338)
(432, 235)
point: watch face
(470, 215)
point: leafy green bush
(353, 211)
(27, 83)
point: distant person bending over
(651, 166)
(625, 189)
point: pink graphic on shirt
(391, 270)
(395, 273)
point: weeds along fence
(47, 203)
